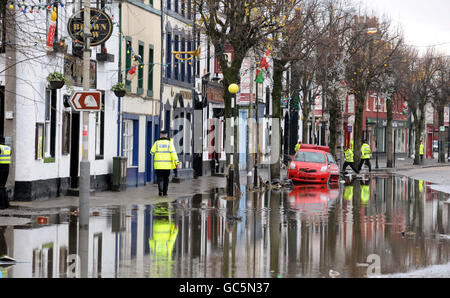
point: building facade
(176, 110)
(38, 121)
(140, 70)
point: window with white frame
(128, 140)
(50, 124)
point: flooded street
(361, 228)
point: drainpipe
(161, 84)
(120, 79)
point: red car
(313, 164)
(312, 199)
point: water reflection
(305, 232)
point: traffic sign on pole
(86, 101)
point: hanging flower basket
(119, 89)
(56, 80)
(56, 84)
(120, 93)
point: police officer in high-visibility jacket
(298, 146)
(348, 153)
(421, 151)
(5, 160)
(165, 159)
(365, 156)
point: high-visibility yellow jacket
(297, 147)
(348, 155)
(421, 149)
(348, 193)
(351, 145)
(166, 157)
(365, 194)
(163, 240)
(5, 154)
(365, 151)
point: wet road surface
(360, 228)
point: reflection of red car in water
(313, 198)
(313, 164)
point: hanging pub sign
(101, 26)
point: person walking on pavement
(165, 159)
(365, 156)
(5, 160)
(421, 151)
(348, 153)
(298, 145)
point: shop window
(50, 126)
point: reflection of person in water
(365, 191)
(348, 190)
(164, 233)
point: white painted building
(43, 130)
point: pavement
(430, 171)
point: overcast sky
(424, 22)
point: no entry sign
(86, 101)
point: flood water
(359, 228)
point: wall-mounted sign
(101, 26)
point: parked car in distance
(313, 164)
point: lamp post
(233, 89)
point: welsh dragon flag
(262, 65)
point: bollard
(230, 181)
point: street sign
(86, 101)
(101, 26)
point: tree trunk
(231, 75)
(440, 112)
(334, 124)
(418, 127)
(358, 134)
(389, 132)
(276, 117)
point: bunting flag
(262, 65)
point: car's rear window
(316, 157)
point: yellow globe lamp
(233, 88)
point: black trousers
(367, 162)
(346, 164)
(162, 178)
(4, 172)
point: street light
(233, 89)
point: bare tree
(441, 96)
(419, 87)
(369, 51)
(242, 25)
